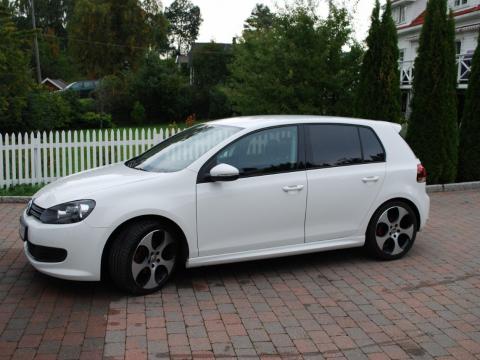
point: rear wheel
(143, 257)
(392, 231)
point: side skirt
(288, 250)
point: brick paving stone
(336, 305)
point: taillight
(421, 174)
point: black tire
(131, 242)
(399, 232)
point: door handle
(371, 179)
(293, 188)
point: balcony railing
(464, 67)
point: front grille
(35, 211)
(46, 254)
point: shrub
(113, 96)
(47, 111)
(220, 106)
(138, 113)
(91, 120)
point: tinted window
(372, 149)
(263, 152)
(333, 145)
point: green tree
(162, 89)
(378, 95)
(295, 67)
(49, 14)
(369, 88)
(433, 131)
(55, 60)
(114, 97)
(261, 18)
(107, 36)
(157, 25)
(469, 157)
(210, 67)
(389, 74)
(185, 20)
(15, 75)
(51, 19)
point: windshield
(179, 151)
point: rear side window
(333, 145)
(372, 149)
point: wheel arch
(185, 251)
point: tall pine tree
(368, 88)
(469, 157)
(389, 75)
(433, 131)
(378, 95)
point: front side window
(263, 152)
(179, 151)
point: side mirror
(224, 172)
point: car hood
(85, 184)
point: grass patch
(21, 190)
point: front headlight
(68, 213)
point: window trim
(308, 147)
(203, 176)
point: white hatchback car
(231, 190)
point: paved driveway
(336, 304)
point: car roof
(258, 122)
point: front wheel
(143, 257)
(392, 231)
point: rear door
(345, 172)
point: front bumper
(83, 243)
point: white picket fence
(41, 157)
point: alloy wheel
(154, 259)
(395, 230)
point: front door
(265, 207)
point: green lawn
(21, 190)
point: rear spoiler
(396, 127)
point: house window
(458, 47)
(460, 2)
(401, 14)
(401, 55)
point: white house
(409, 16)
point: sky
(224, 19)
